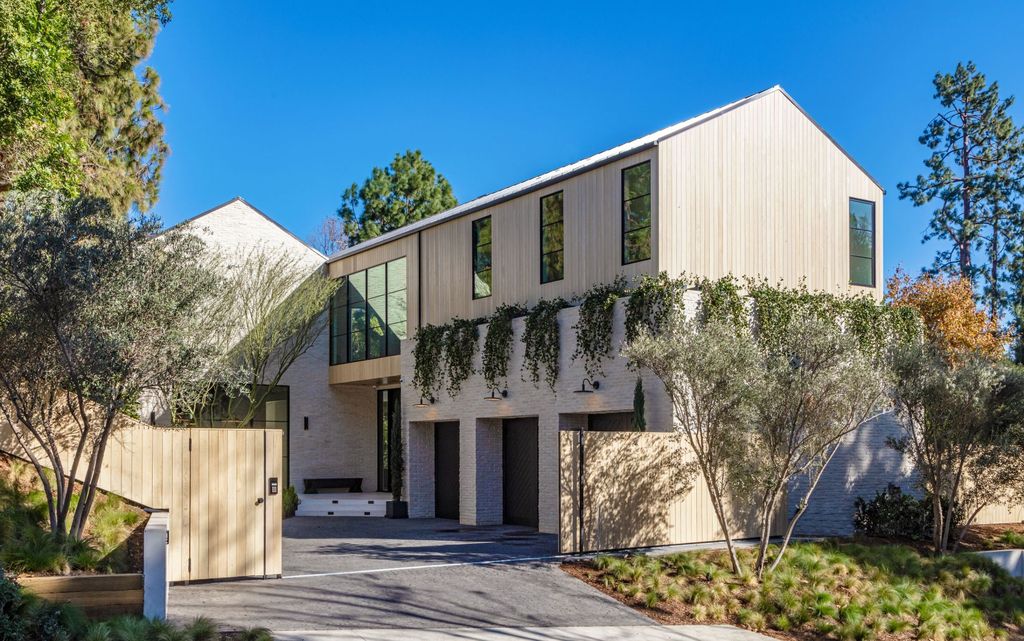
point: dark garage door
(519, 469)
(446, 470)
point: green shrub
(1011, 538)
(894, 514)
(290, 501)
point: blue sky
(286, 104)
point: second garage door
(519, 471)
(446, 470)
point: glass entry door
(388, 402)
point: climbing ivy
(427, 373)
(594, 327)
(651, 301)
(498, 344)
(460, 345)
(720, 300)
(542, 339)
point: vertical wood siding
(634, 496)
(211, 492)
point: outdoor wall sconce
(305, 423)
(430, 401)
(497, 395)
(594, 385)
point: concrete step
(354, 504)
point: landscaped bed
(113, 541)
(835, 590)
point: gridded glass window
(482, 257)
(368, 313)
(552, 238)
(862, 242)
(636, 213)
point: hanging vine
(542, 339)
(460, 344)
(594, 327)
(651, 301)
(720, 300)
(427, 372)
(498, 345)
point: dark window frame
(543, 226)
(345, 355)
(874, 240)
(473, 256)
(622, 222)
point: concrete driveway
(416, 573)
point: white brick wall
(864, 465)
(480, 451)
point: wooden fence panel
(223, 522)
(633, 494)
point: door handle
(259, 501)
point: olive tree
(710, 374)
(815, 387)
(962, 423)
(95, 306)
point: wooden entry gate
(225, 516)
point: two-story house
(753, 188)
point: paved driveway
(415, 573)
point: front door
(388, 401)
(446, 470)
(519, 471)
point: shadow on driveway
(372, 572)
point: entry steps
(343, 504)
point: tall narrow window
(368, 313)
(636, 213)
(482, 257)
(862, 242)
(552, 239)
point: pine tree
(407, 190)
(976, 151)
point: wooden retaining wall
(98, 595)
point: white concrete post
(154, 566)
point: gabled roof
(591, 162)
(255, 209)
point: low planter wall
(1010, 560)
(98, 595)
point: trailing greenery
(651, 301)
(594, 327)
(460, 344)
(427, 373)
(639, 411)
(720, 300)
(542, 340)
(875, 326)
(498, 344)
(827, 590)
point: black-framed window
(862, 242)
(482, 257)
(552, 238)
(636, 213)
(369, 313)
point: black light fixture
(594, 385)
(495, 394)
(430, 401)
(305, 422)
